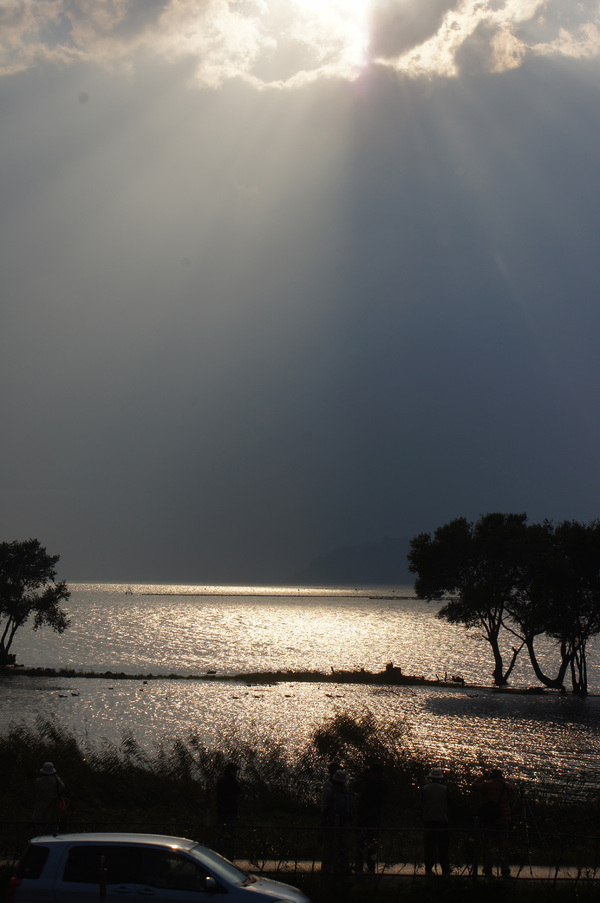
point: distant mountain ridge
(366, 564)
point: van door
(88, 867)
(167, 876)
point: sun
(338, 29)
(281, 43)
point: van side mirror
(210, 885)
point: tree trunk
(579, 670)
(512, 662)
(6, 641)
(553, 683)
(499, 674)
(500, 680)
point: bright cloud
(499, 26)
(290, 42)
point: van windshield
(218, 866)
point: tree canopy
(28, 589)
(509, 578)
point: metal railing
(298, 850)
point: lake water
(193, 630)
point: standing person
(336, 817)
(495, 818)
(229, 791)
(49, 790)
(327, 790)
(435, 823)
(369, 803)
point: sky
(279, 276)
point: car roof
(158, 840)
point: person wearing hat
(48, 791)
(435, 823)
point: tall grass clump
(181, 775)
(172, 785)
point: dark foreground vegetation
(171, 790)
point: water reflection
(185, 634)
(550, 737)
(534, 739)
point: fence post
(476, 837)
(206, 819)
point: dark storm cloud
(241, 327)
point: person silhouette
(494, 818)
(370, 790)
(48, 789)
(435, 823)
(336, 816)
(228, 793)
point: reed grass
(282, 784)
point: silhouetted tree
(28, 589)
(529, 608)
(574, 593)
(478, 566)
(528, 579)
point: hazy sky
(283, 275)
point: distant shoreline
(390, 677)
(343, 594)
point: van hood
(269, 890)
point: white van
(136, 868)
